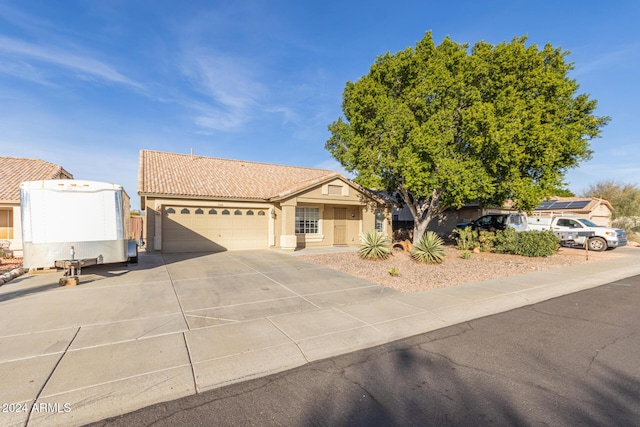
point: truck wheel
(597, 244)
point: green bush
(467, 238)
(429, 249)
(465, 255)
(374, 245)
(537, 243)
(486, 239)
(394, 272)
(506, 241)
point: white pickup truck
(579, 230)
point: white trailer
(73, 223)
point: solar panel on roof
(579, 204)
(561, 205)
(545, 205)
(554, 204)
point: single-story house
(14, 171)
(597, 210)
(196, 203)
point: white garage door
(194, 229)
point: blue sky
(87, 84)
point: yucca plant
(429, 249)
(374, 245)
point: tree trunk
(419, 228)
(422, 213)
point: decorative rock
(16, 272)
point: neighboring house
(597, 210)
(13, 171)
(444, 223)
(195, 203)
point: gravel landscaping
(455, 270)
(8, 264)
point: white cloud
(21, 51)
(232, 90)
(606, 60)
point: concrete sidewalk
(177, 325)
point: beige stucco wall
(601, 215)
(360, 211)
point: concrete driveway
(168, 327)
(173, 325)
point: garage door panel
(211, 230)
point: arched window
(260, 213)
(237, 212)
(225, 212)
(249, 212)
(171, 210)
(184, 211)
(213, 212)
(199, 211)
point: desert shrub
(467, 239)
(374, 245)
(393, 271)
(486, 240)
(429, 249)
(506, 241)
(465, 255)
(537, 243)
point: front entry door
(339, 226)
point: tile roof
(174, 174)
(15, 170)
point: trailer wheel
(597, 244)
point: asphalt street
(573, 360)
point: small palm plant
(429, 249)
(374, 245)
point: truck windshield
(588, 223)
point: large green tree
(441, 126)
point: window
(225, 212)
(6, 223)
(213, 212)
(569, 223)
(380, 221)
(249, 212)
(260, 213)
(184, 211)
(237, 212)
(307, 220)
(171, 210)
(199, 211)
